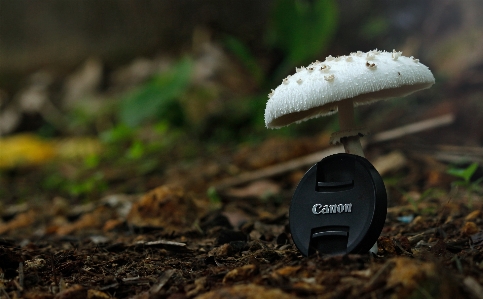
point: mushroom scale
(310, 93)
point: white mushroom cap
(317, 89)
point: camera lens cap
(339, 207)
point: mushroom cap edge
(364, 78)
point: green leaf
(158, 97)
(302, 29)
(136, 150)
(375, 27)
(246, 57)
(212, 194)
(464, 173)
(119, 133)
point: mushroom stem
(352, 144)
(346, 115)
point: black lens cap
(339, 207)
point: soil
(173, 242)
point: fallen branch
(450, 153)
(278, 169)
(311, 159)
(413, 128)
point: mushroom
(341, 84)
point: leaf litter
(173, 242)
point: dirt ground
(173, 242)
(177, 240)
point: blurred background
(102, 97)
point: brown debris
(95, 294)
(475, 288)
(473, 215)
(21, 220)
(223, 250)
(287, 271)
(241, 273)
(470, 228)
(259, 189)
(386, 245)
(198, 287)
(250, 291)
(37, 295)
(276, 150)
(411, 278)
(404, 243)
(166, 207)
(73, 292)
(439, 249)
(92, 220)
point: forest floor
(176, 242)
(186, 220)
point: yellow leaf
(24, 150)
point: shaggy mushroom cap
(362, 78)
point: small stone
(34, 264)
(477, 239)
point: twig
(278, 169)
(375, 278)
(413, 128)
(162, 281)
(474, 287)
(5, 292)
(308, 160)
(136, 281)
(450, 153)
(54, 270)
(92, 273)
(416, 238)
(21, 276)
